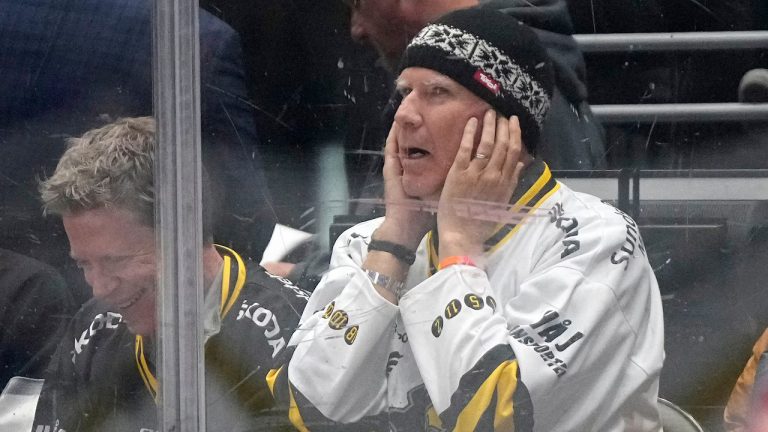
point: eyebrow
(440, 80)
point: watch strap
(390, 284)
(400, 252)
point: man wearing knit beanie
(490, 297)
(572, 137)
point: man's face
(389, 25)
(431, 119)
(117, 255)
(381, 24)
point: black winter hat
(495, 57)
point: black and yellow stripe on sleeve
(306, 417)
(279, 386)
(233, 270)
(490, 396)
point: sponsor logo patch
(351, 334)
(487, 82)
(265, 319)
(338, 320)
(549, 337)
(110, 320)
(437, 326)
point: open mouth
(415, 153)
(132, 301)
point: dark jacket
(70, 66)
(103, 377)
(35, 304)
(571, 137)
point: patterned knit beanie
(495, 57)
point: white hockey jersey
(559, 330)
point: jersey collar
(535, 186)
(232, 281)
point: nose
(102, 283)
(407, 114)
(357, 27)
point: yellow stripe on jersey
(294, 415)
(504, 378)
(225, 283)
(432, 254)
(544, 186)
(232, 298)
(536, 188)
(433, 420)
(271, 378)
(535, 207)
(524, 200)
(503, 419)
(146, 374)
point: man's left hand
(478, 183)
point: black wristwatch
(400, 252)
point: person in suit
(104, 374)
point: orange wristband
(457, 259)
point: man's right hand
(403, 224)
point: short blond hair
(111, 166)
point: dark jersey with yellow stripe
(103, 377)
(558, 328)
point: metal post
(682, 112)
(178, 216)
(682, 41)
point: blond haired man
(103, 376)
